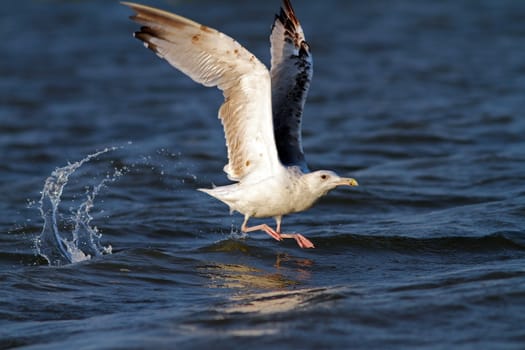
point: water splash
(83, 242)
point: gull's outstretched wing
(291, 73)
(214, 59)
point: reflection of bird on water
(245, 277)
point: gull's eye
(324, 177)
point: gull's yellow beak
(347, 181)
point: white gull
(261, 113)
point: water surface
(420, 101)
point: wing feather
(212, 58)
(291, 73)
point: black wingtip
(288, 5)
(304, 49)
(145, 37)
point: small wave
(496, 242)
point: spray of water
(83, 243)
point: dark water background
(422, 101)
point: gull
(261, 114)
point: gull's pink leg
(262, 227)
(301, 240)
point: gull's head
(322, 181)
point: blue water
(421, 101)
